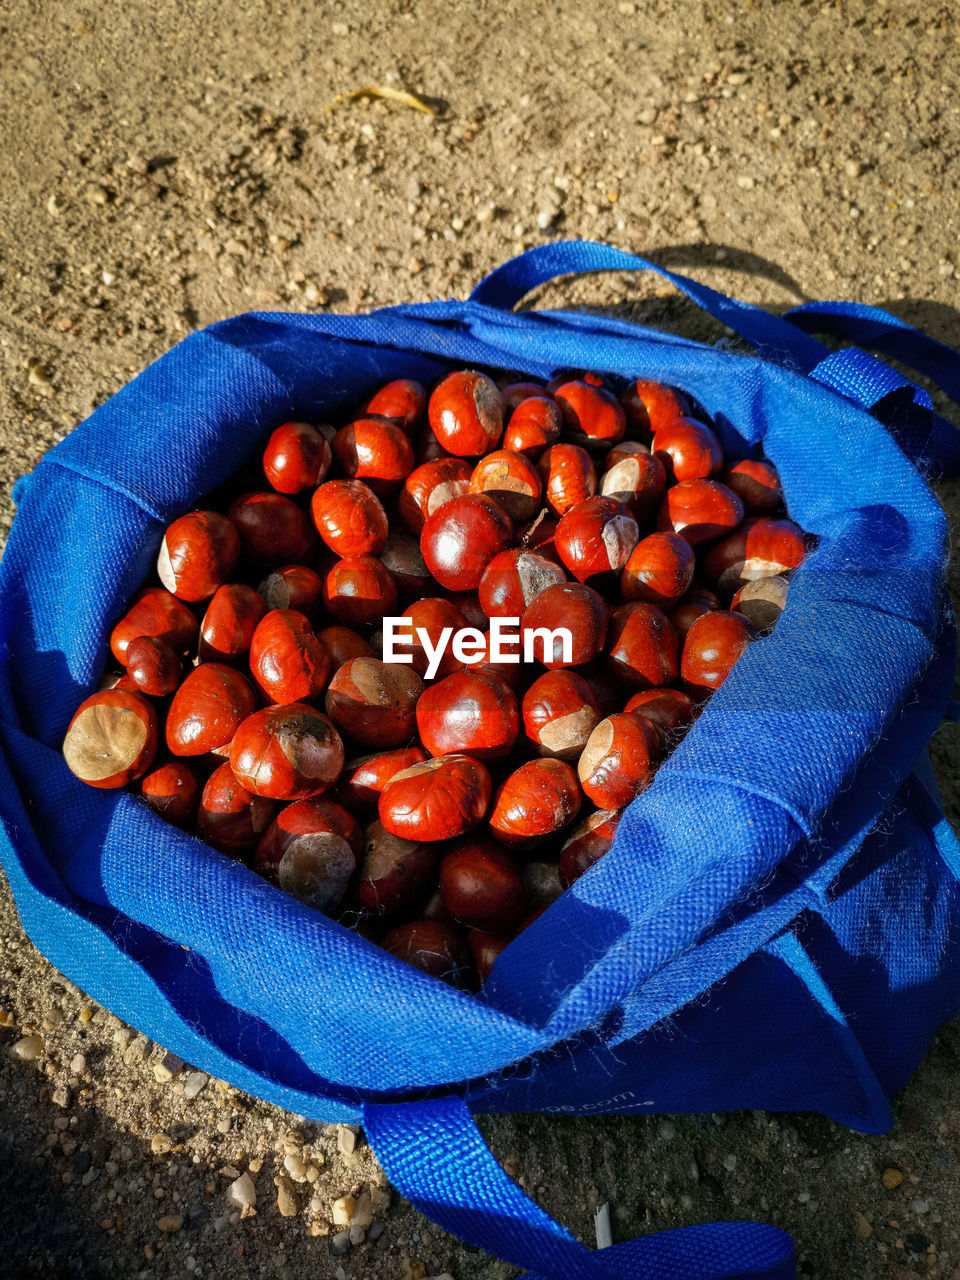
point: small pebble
(242, 1192)
(891, 1178)
(730, 1162)
(138, 164)
(54, 1016)
(362, 1211)
(223, 1126)
(28, 1049)
(160, 1144)
(194, 1083)
(78, 1064)
(286, 1199)
(920, 1206)
(340, 1244)
(667, 1130)
(167, 1068)
(357, 1234)
(296, 1167)
(61, 1097)
(347, 1138)
(343, 1210)
(375, 1231)
(95, 194)
(170, 1223)
(862, 1226)
(647, 116)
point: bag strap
(773, 337)
(923, 435)
(435, 1156)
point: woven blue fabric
(776, 925)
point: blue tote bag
(777, 923)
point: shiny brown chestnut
(513, 579)
(659, 570)
(207, 710)
(592, 417)
(471, 713)
(514, 393)
(375, 451)
(287, 660)
(402, 401)
(568, 476)
(198, 554)
(154, 612)
(587, 844)
(692, 606)
(362, 780)
(462, 537)
(560, 711)
(293, 586)
(349, 518)
(619, 760)
(311, 851)
(699, 510)
(374, 702)
(572, 608)
(359, 591)
(512, 481)
(229, 623)
(153, 666)
(433, 616)
(465, 412)
(642, 646)
(671, 710)
(636, 478)
(437, 800)
(688, 450)
(650, 405)
(712, 648)
(535, 801)
(596, 538)
(426, 489)
(541, 879)
(534, 425)
(403, 558)
(342, 644)
(394, 872)
(757, 485)
(272, 528)
(231, 818)
(111, 739)
(485, 949)
(762, 602)
(760, 548)
(286, 752)
(173, 791)
(434, 948)
(482, 887)
(297, 458)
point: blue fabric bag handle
(773, 337)
(434, 1154)
(925, 436)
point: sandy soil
(165, 165)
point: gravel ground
(162, 166)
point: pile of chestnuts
(322, 680)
